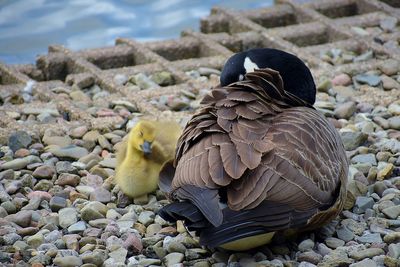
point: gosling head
(142, 137)
(297, 78)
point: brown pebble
(21, 153)
(44, 171)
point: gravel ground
(59, 204)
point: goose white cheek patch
(249, 65)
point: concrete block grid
(306, 30)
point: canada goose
(257, 158)
(148, 146)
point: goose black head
(297, 78)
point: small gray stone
(70, 152)
(345, 110)
(173, 258)
(68, 261)
(310, 256)
(163, 78)
(65, 167)
(364, 263)
(101, 195)
(17, 164)
(366, 253)
(120, 79)
(344, 234)
(392, 212)
(371, 80)
(370, 238)
(67, 217)
(146, 217)
(388, 24)
(77, 228)
(394, 122)
(19, 139)
(364, 158)
(35, 240)
(394, 250)
(352, 140)
(333, 242)
(363, 203)
(143, 81)
(365, 56)
(306, 245)
(7, 175)
(11, 238)
(119, 255)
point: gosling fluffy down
(148, 146)
(257, 158)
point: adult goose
(257, 158)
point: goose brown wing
(226, 138)
(305, 168)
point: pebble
(370, 238)
(364, 158)
(388, 24)
(391, 67)
(67, 217)
(333, 242)
(364, 263)
(342, 79)
(70, 152)
(392, 212)
(352, 140)
(394, 122)
(68, 261)
(306, 245)
(44, 172)
(371, 80)
(389, 83)
(345, 110)
(163, 78)
(17, 164)
(366, 253)
(19, 139)
(309, 256)
(56, 203)
(173, 258)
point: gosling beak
(146, 147)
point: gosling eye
(141, 134)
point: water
(27, 27)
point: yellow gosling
(140, 157)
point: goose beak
(146, 147)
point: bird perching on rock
(257, 158)
(139, 160)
